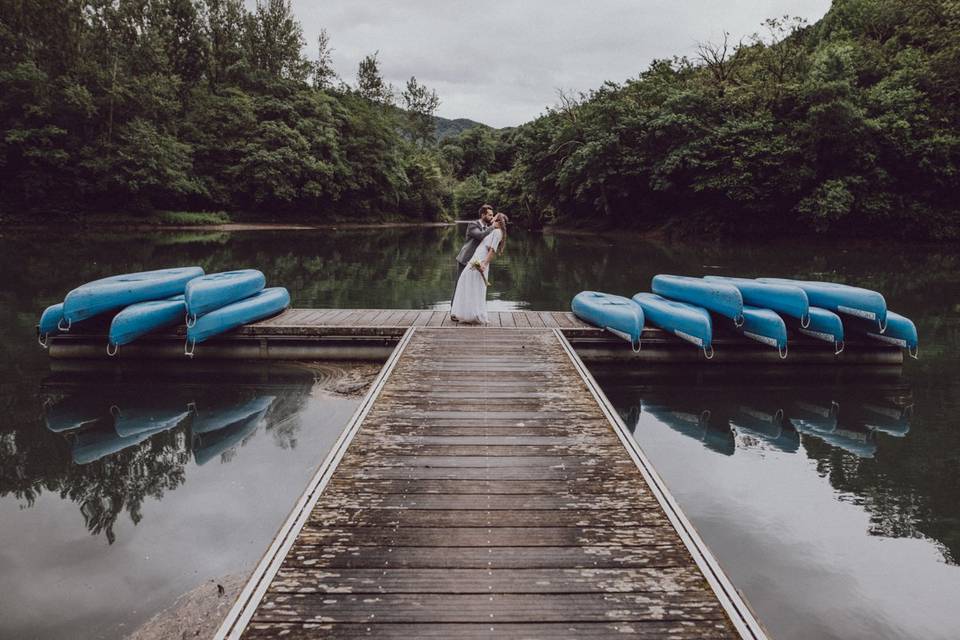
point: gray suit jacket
(476, 232)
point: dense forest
(849, 126)
(139, 105)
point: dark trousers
(460, 268)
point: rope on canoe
(806, 317)
(188, 322)
(914, 352)
(116, 348)
(42, 339)
(189, 346)
(738, 321)
(838, 347)
(783, 351)
(60, 324)
(709, 356)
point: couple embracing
(485, 238)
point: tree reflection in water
(864, 428)
(108, 446)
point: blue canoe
(695, 424)
(217, 290)
(142, 318)
(121, 291)
(683, 320)
(824, 325)
(616, 314)
(213, 419)
(774, 428)
(900, 331)
(764, 326)
(50, 321)
(842, 298)
(786, 299)
(860, 443)
(268, 302)
(814, 415)
(721, 298)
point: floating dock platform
(485, 489)
(372, 334)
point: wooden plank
(406, 319)
(561, 319)
(489, 486)
(437, 318)
(423, 318)
(520, 319)
(507, 320)
(361, 517)
(446, 607)
(666, 554)
(672, 629)
(584, 502)
(483, 581)
(479, 536)
(533, 317)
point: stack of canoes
(150, 301)
(762, 310)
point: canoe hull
(785, 299)
(764, 326)
(683, 320)
(719, 297)
(616, 314)
(824, 325)
(145, 317)
(268, 302)
(842, 299)
(121, 291)
(900, 331)
(217, 290)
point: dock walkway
(485, 488)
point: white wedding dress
(470, 299)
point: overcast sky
(502, 62)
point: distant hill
(447, 127)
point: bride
(470, 300)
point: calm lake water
(831, 496)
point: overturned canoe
(217, 290)
(683, 320)
(842, 298)
(50, 321)
(618, 315)
(268, 302)
(764, 326)
(719, 297)
(75, 412)
(121, 291)
(786, 299)
(900, 331)
(824, 325)
(144, 317)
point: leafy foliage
(848, 126)
(142, 105)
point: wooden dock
(372, 334)
(485, 488)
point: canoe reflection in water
(98, 425)
(726, 410)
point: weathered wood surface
(486, 495)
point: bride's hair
(503, 219)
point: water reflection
(841, 419)
(108, 446)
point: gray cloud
(502, 62)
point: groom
(477, 230)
